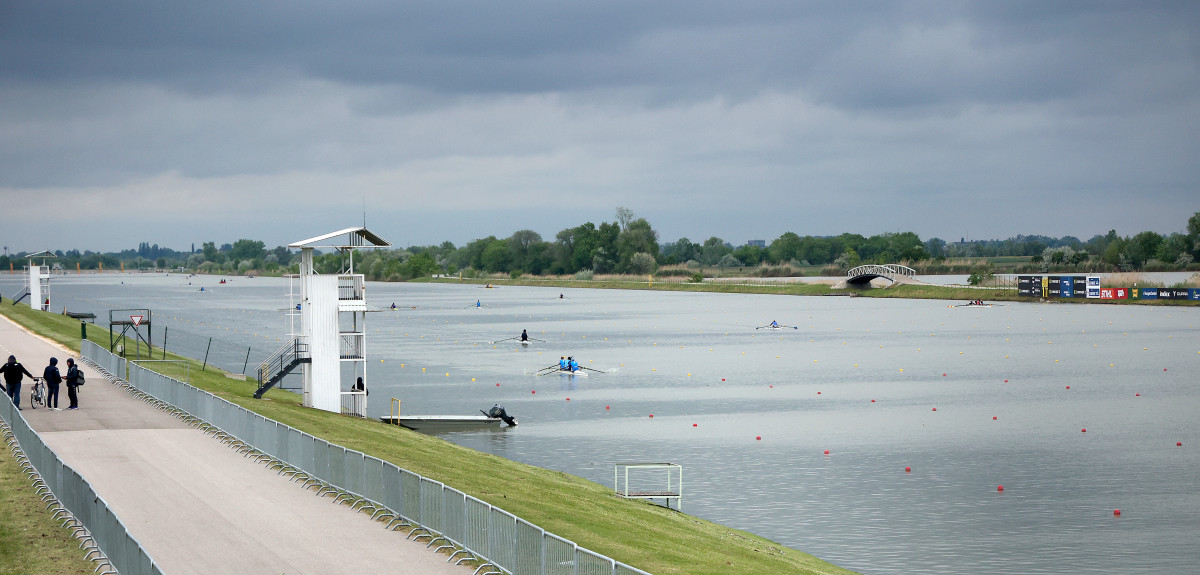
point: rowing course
(196, 505)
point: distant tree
(1143, 247)
(210, 252)
(785, 247)
(728, 261)
(624, 217)
(638, 237)
(1193, 227)
(246, 250)
(642, 263)
(1174, 246)
(496, 257)
(713, 250)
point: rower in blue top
(563, 364)
(774, 323)
(478, 303)
(572, 365)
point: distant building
(757, 243)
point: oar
(536, 339)
(500, 340)
(590, 369)
(555, 366)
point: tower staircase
(282, 362)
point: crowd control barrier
(74, 503)
(443, 517)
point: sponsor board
(1114, 293)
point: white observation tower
(331, 341)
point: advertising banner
(1029, 286)
(1173, 293)
(1143, 293)
(1114, 293)
(1093, 286)
(1066, 287)
(1079, 286)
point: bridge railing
(884, 270)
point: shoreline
(898, 290)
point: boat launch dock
(440, 423)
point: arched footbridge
(894, 272)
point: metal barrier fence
(75, 503)
(446, 517)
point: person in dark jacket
(72, 383)
(52, 377)
(13, 373)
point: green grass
(647, 536)
(31, 541)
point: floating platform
(441, 423)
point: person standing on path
(13, 372)
(72, 383)
(52, 377)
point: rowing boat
(569, 373)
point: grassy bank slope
(641, 534)
(31, 542)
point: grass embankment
(31, 541)
(900, 291)
(638, 533)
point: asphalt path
(196, 505)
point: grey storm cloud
(461, 120)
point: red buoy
(943, 375)
(533, 391)
(935, 409)
(1068, 387)
(693, 425)
(826, 452)
(722, 379)
(1084, 430)
(497, 385)
(1137, 395)
(757, 438)
(568, 399)
(818, 393)
(606, 407)
(1000, 488)
(1006, 381)
(908, 470)
(872, 401)
(1116, 512)
(651, 416)
(993, 418)
(1178, 444)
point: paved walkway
(196, 505)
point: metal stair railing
(281, 363)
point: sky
(177, 123)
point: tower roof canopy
(42, 254)
(353, 238)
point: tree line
(630, 245)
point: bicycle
(37, 393)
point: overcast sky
(183, 122)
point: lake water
(749, 413)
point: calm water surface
(858, 377)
